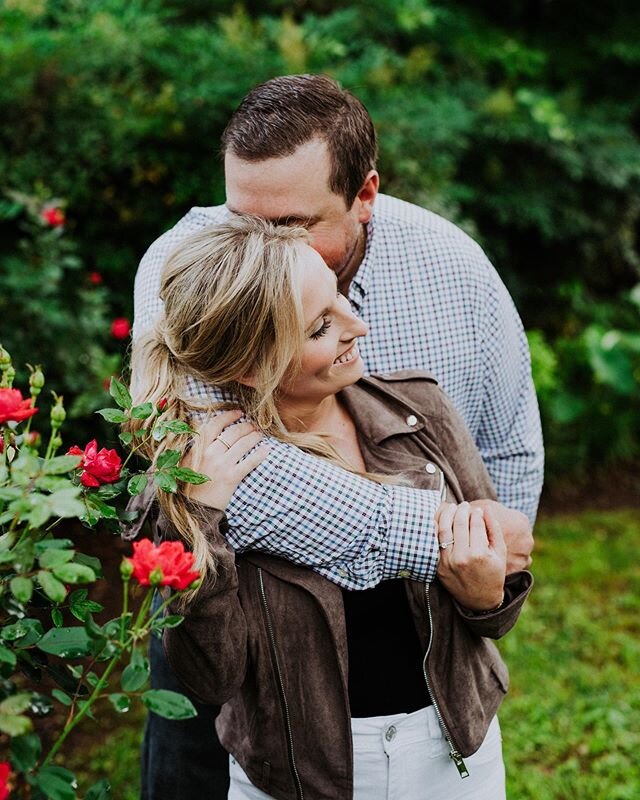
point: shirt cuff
(412, 541)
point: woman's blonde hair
(232, 309)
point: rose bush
(54, 654)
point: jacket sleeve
(496, 624)
(208, 650)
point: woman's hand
(219, 453)
(473, 555)
(516, 529)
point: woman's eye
(326, 324)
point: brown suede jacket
(268, 639)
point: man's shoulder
(194, 220)
(420, 229)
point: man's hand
(516, 530)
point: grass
(571, 720)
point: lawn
(570, 721)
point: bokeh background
(519, 121)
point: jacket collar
(378, 410)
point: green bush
(518, 121)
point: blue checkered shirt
(432, 301)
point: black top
(385, 656)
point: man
(299, 150)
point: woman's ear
(247, 380)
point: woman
(391, 692)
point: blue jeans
(181, 759)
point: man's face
(294, 190)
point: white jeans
(405, 757)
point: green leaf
(54, 558)
(67, 503)
(99, 791)
(53, 544)
(52, 587)
(80, 606)
(92, 562)
(16, 703)
(7, 540)
(41, 511)
(170, 458)
(15, 725)
(7, 656)
(66, 642)
(52, 483)
(25, 751)
(121, 702)
(170, 705)
(24, 633)
(143, 411)
(165, 482)
(125, 437)
(178, 426)
(170, 621)
(120, 394)
(137, 484)
(21, 588)
(104, 509)
(56, 617)
(57, 783)
(159, 431)
(189, 476)
(136, 673)
(61, 464)
(74, 573)
(113, 415)
(61, 697)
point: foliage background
(517, 120)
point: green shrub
(518, 121)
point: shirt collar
(362, 278)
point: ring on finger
(444, 545)
(224, 442)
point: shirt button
(390, 733)
(430, 468)
(411, 420)
(404, 573)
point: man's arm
(510, 434)
(351, 530)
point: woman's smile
(352, 353)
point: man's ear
(367, 195)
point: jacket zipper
(454, 753)
(283, 697)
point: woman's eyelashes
(326, 324)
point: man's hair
(278, 116)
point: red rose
(98, 466)
(120, 328)
(13, 408)
(169, 559)
(162, 404)
(95, 278)
(53, 216)
(5, 770)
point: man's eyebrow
(287, 220)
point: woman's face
(330, 357)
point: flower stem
(102, 682)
